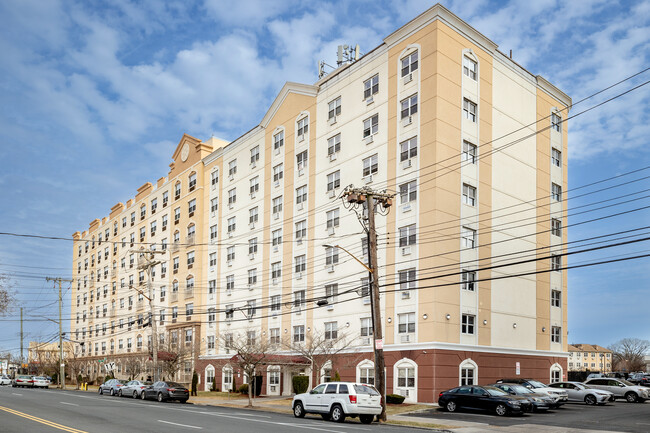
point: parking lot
(619, 416)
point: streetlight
(378, 352)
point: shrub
(337, 377)
(244, 389)
(395, 399)
(214, 386)
(300, 384)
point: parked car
(5, 380)
(595, 376)
(338, 400)
(638, 378)
(41, 382)
(621, 389)
(133, 388)
(539, 401)
(487, 398)
(112, 386)
(23, 381)
(645, 380)
(580, 392)
(559, 395)
(163, 391)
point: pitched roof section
(289, 87)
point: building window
(556, 192)
(370, 86)
(276, 303)
(299, 334)
(253, 215)
(407, 280)
(556, 227)
(334, 144)
(469, 194)
(334, 108)
(556, 298)
(366, 327)
(406, 377)
(370, 165)
(277, 205)
(278, 172)
(213, 232)
(331, 293)
(409, 106)
(177, 191)
(300, 263)
(331, 330)
(332, 218)
(301, 229)
(214, 178)
(274, 340)
(409, 63)
(232, 168)
(556, 157)
(406, 323)
(468, 280)
(409, 149)
(232, 196)
(333, 180)
(230, 253)
(467, 375)
(191, 206)
(252, 246)
(556, 262)
(251, 309)
(470, 68)
(189, 309)
(278, 140)
(301, 194)
(467, 325)
(556, 122)
(367, 375)
(303, 127)
(276, 236)
(556, 334)
(468, 237)
(371, 125)
(469, 110)
(299, 299)
(331, 256)
(301, 160)
(230, 283)
(469, 152)
(255, 154)
(252, 277)
(192, 181)
(231, 224)
(276, 270)
(408, 192)
(407, 235)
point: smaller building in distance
(589, 357)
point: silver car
(621, 389)
(133, 388)
(580, 392)
(5, 380)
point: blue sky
(96, 97)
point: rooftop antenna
(344, 54)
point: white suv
(621, 389)
(338, 400)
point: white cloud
(250, 13)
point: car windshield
(39, 378)
(626, 382)
(521, 389)
(365, 389)
(536, 384)
(581, 386)
(174, 385)
(495, 391)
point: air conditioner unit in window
(406, 251)
(299, 241)
(333, 156)
(330, 268)
(252, 195)
(370, 100)
(408, 78)
(230, 205)
(250, 286)
(330, 307)
(276, 216)
(407, 120)
(365, 341)
(277, 151)
(300, 206)
(366, 300)
(406, 164)
(331, 193)
(275, 248)
(331, 120)
(275, 281)
(301, 171)
(369, 139)
(330, 231)
(298, 275)
(406, 294)
(252, 226)
(406, 207)
(405, 338)
(231, 176)
(368, 179)
(276, 183)
(229, 263)
(251, 256)
(229, 234)
(301, 138)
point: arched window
(192, 181)
(366, 372)
(326, 372)
(405, 373)
(226, 378)
(556, 373)
(273, 380)
(209, 377)
(468, 372)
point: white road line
(15, 393)
(294, 425)
(181, 425)
(643, 423)
(71, 404)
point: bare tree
(319, 348)
(628, 354)
(171, 357)
(133, 366)
(251, 351)
(7, 296)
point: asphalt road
(619, 416)
(54, 411)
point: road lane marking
(15, 393)
(42, 421)
(181, 425)
(294, 425)
(71, 404)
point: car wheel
(135, 394)
(451, 406)
(337, 414)
(366, 419)
(590, 399)
(160, 397)
(101, 391)
(298, 410)
(119, 393)
(325, 416)
(143, 396)
(112, 391)
(183, 401)
(501, 409)
(631, 397)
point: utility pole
(369, 198)
(61, 364)
(21, 338)
(147, 263)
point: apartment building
(474, 147)
(589, 357)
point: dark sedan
(486, 398)
(538, 400)
(163, 391)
